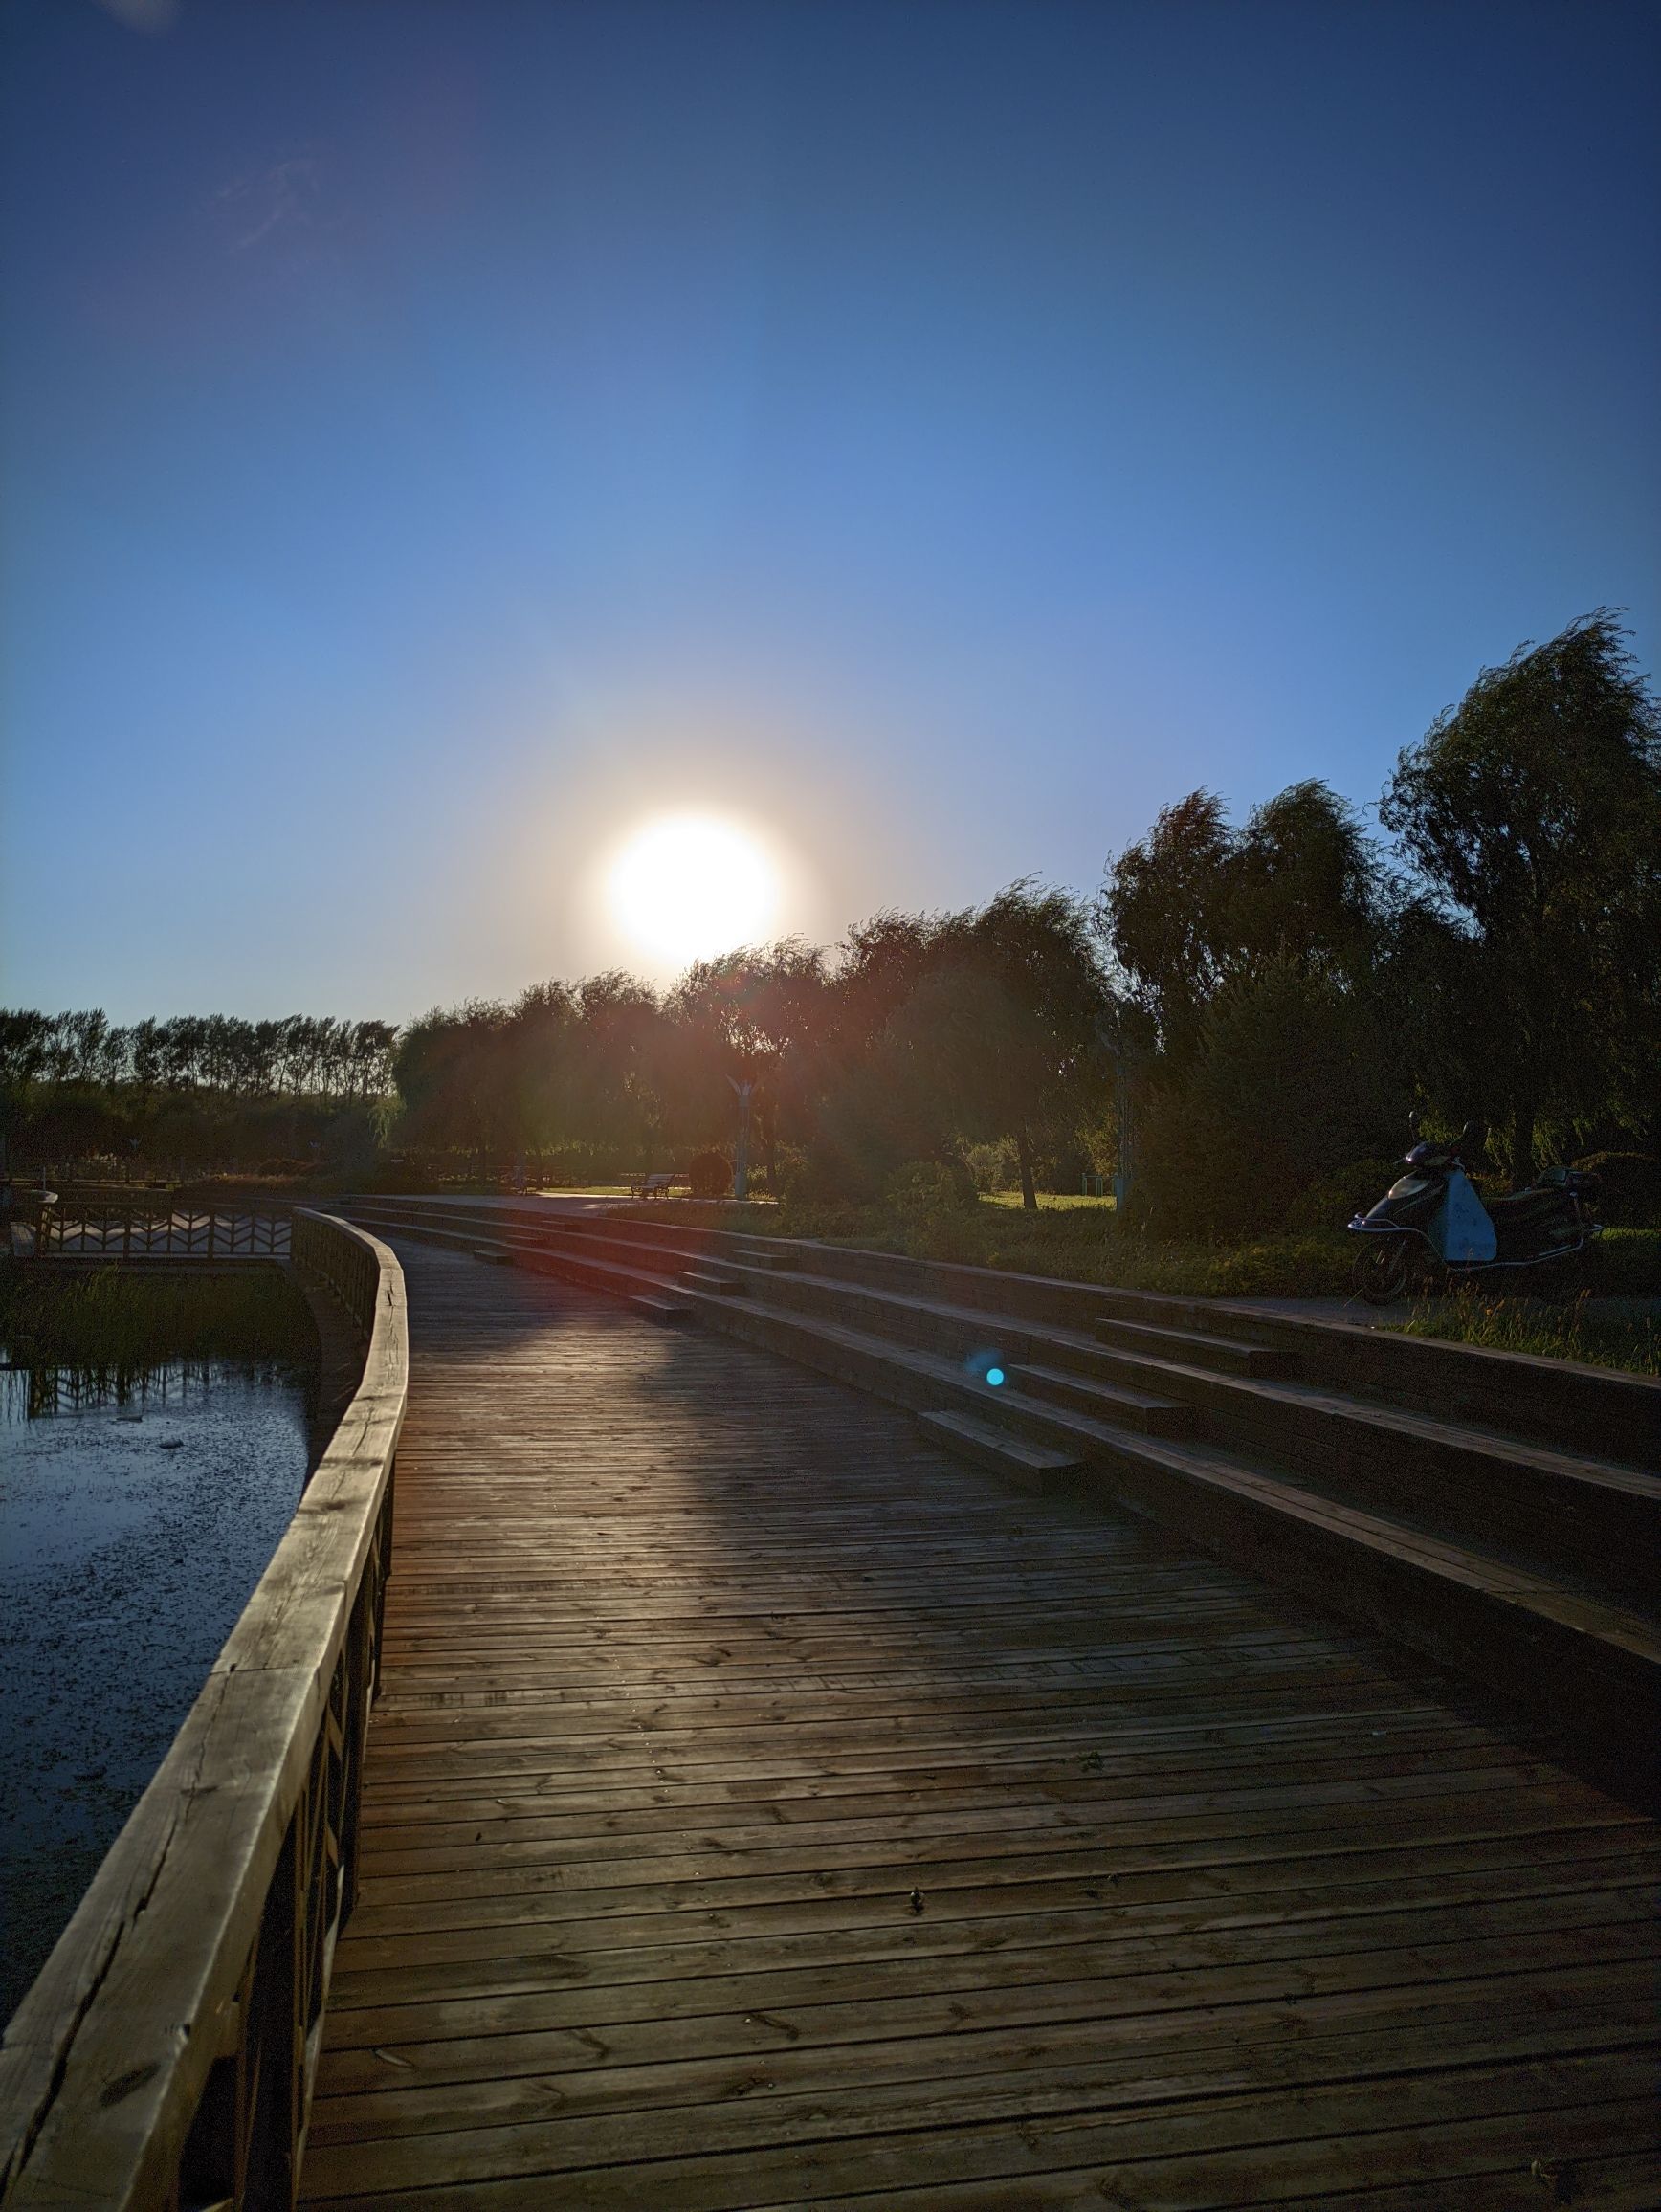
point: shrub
(927, 1186)
(1624, 1263)
(396, 1174)
(1628, 1192)
(786, 1170)
(994, 1166)
(1289, 1080)
(1330, 1203)
(952, 1235)
(710, 1175)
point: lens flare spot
(995, 1376)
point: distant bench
(652, 1186)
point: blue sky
(437, 436)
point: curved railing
(165, 2055)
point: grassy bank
(1050, 1202)
(1071, 1239)
(107, 1318)
(1610, 1333)
(1077, 1240)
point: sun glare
(692, 885)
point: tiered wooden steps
(762, 1810)
(1467, 1530)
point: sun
(688, 886)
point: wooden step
(924, 1381)
(1589, 1669)
(1034, 1466)
(1107, 1401)
(663, 1258)
(649, 1293)
(1575, 1522)
(1577, 1514)
(1227, 1353)
(1558, 1403)
(600, 1274)
(1584, 1517)
(466, 1240)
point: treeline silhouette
(920, 1034)
(208, 1090)
(1269, 998)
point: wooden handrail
(165, 2056)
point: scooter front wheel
(1380, 1274)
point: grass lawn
(574, 1190)
(1050, 1202)
(1604, 1332)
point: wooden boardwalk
(764, 1809)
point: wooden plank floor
(764, 1809)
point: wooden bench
(651, 1185)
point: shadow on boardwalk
(764, 1809)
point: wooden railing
(74, 1231)
(164, 2057)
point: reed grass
(106, 1318)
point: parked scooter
(1432, 1215)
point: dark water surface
(134, 1523)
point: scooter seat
(1524, 1206)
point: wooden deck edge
(105, 2062)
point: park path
(764, 1809)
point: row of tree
(924, 1032)
(302, 1057)
(206, 1090)
(1275, 996)
(1295, 986)
(1271, 998)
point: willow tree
(1196, 906)
(759, 1014)
(1004, 1031)
(1532, 813)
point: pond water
(135, 1519)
